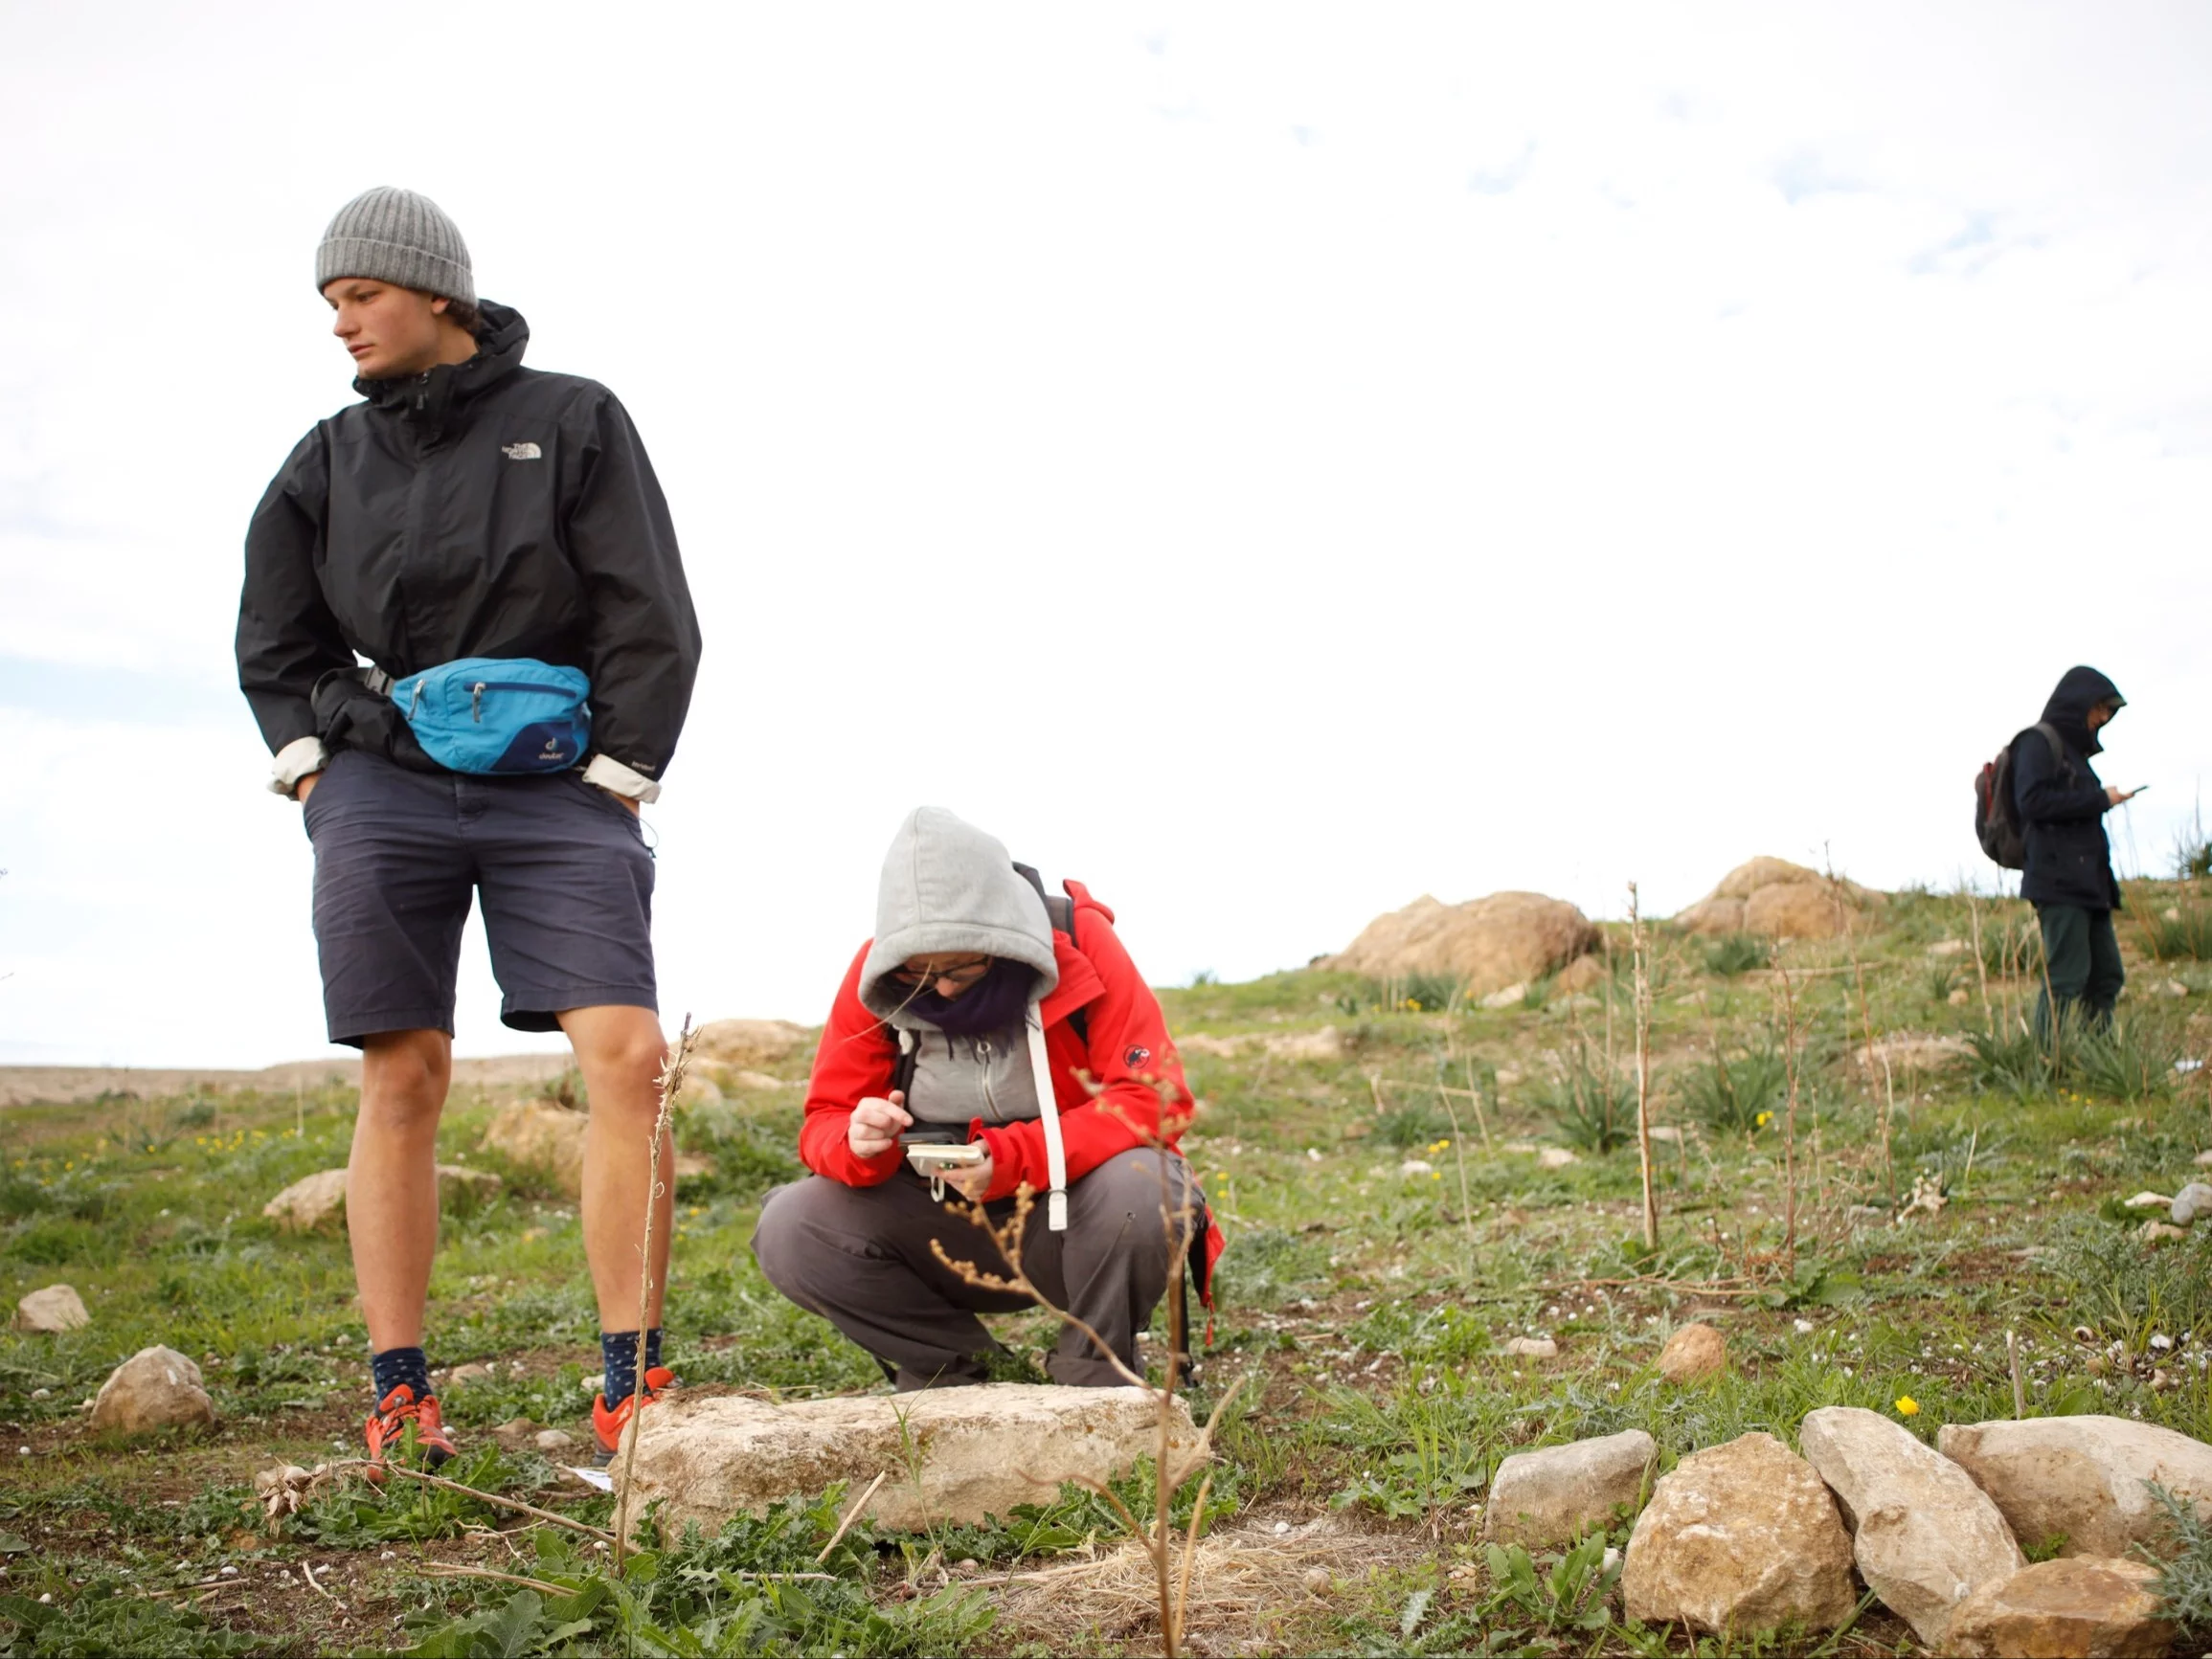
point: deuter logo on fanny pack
(521, 451)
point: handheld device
(932, 1157)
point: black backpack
(1997, 819)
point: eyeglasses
(961, 973)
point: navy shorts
(561, 866)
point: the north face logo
(522, 451)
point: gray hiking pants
(860, 1257)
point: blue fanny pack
(497, 714)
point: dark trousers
(860, 1257)
(2082, 958)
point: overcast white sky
(1318, 456)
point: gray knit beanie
(396, 235)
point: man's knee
(404, 1074)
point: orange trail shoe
(407, 1428)
(608, 1422)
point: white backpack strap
(1048, 1113)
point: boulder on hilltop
(1780, 900)
(1490, 943)
(748, 1045)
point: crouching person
(972, 1018)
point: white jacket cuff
(295, 761)
(616, 779)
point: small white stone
(1803, 1327)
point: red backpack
(1997, 819)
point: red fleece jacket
(1128, 1054)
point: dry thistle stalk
(1172, 1588)
(1789, 1115)
(673, 1064)
(1637, 942)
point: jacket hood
(948, 886)
(424, 398)
(2080, 690)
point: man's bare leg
(392, 1181)
(620, 1050)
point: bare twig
(850, 1516)
(1651, 1236)
(308, 1568)
(494, 1499)
(673, 1065)
(1790, 1119)
(2018, 1387)
(1157, 1540)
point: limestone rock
(317, 1202)
(754, 1080)
(1906, 1052)
(2081, 1476)
(1557, 1493)
(545, 1136)
(515, 1433)
(1490, 943)
(553, 1442)
(1555, 1157)
(1959, 997)
(1740, 1537)
(2159, 1232)
(1780, 900)
(699, 1089)
(1531, 1348)
(1511, 997)
(51, 1312)
(1924, 1535)
(1325, 1044)
(156, 1388)
(1583, 973)
(1694, 1352)
(2079, 1607)
(749, 1043)
(975, 1451)
(465, 1377)
(2191, 1201)
(310, 1202)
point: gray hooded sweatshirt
(948, 886)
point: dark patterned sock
(619, 1353)
(396, 1366)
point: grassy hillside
(1391, 1223)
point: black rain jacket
(2063, 804)
(483, 509)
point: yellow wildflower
(1907, 1407)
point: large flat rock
(952, 1454)
(1924, 1535)
(2086, 1478)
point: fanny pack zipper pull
(476, 703)
(415, 702)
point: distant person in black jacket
(496, 522)
(2068, 876)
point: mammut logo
(522, 451)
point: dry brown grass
(1246, 1585)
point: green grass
(1366, 1308)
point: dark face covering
(995, 1002)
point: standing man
(504, 526)
(2069, 874)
